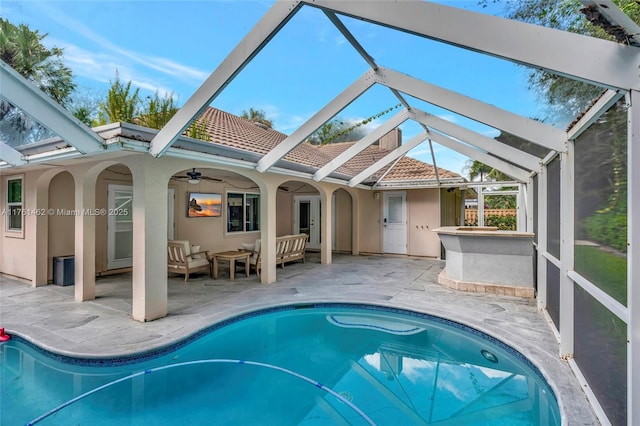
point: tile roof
(236, 132)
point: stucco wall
(369, 222)
(343, 221)
(61, 227)
(423, 215)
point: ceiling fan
(194, 177)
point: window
(14, 204)
(243, 212)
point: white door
(120, 225)
(394, 223)
(307, 219)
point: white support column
(480, 206)
(542, 238)
(566, 250)
(150, 188)
(529, 203)
(633, 261)
(268, 233)
(85, 237)
(521, 202)
(326, 227)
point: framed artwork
(202, 204)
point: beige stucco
(356, 225)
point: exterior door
(394, 224)
(307, 219)
(120, 225)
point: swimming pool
(311, 364)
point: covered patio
(556, 169)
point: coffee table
(231, 256)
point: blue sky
(172, 46)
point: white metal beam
(356, 148)
(325, 114)
(268, 26)
(351, 39)
(10, 155)
(633, 259)
(23, 94)
(597, 61)
(616, 17)
(601, 106)
(506, 168)
(396, 153)
(531, 130)
(485, 143)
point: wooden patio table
(231, 256)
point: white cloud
(131, 65)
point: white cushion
(249, 246)
(185, 246)
(256, 251)
(195, 249)
(194, 263)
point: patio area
(103, 327)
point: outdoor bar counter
(485, 260)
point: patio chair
(181, 260)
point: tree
(22, 49)
(566, 98)
(257, 116)
(158, 111)
(121, 104)
(338, 130)
(477, 169)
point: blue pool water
(303, 365)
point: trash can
(63, 270)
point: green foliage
(338, 130)
(23, 50)
(198, 130)
(601, 191)
(122, 105)
(158, 111)
(257, 116)
(609, 227)
(503, 223)
(566, 98)
(606, 269)
(500, 201)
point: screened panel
(17, 128)
(553, 207)
(600, 350)
(601, 203)
(253, 212)
(534, 208)
(553, 293)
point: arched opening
(299, 209)
(61, 229)
(343, 226)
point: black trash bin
(63, 270)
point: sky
(173, 46)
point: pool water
(320, 365)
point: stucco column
(149, 239)
(268, 233)
(326, 227)
(85, 237)
(355, 225)
(41, 250)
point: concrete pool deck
(49, 316)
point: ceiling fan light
(193, 181)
